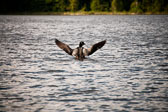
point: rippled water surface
(130, 73)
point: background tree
(105, 5)
(136, 7)
(95, 5)
(117, 5)
(158, 6)
(74, 5)
(60, 5)
(147, 5)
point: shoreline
(84, 13)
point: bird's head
(81, 44)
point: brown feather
(64, 47)
(95, 47)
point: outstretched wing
(94, 48)
(64, 47)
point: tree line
(135, 6)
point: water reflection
(128, 74)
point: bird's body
(80, 52)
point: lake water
(130, 73)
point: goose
(80, 52)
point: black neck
(80, 45)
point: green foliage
(84, 8)
(105, 6)
(147, 5)
(157, 6)
(136, 6)
(74, 5)
(117, 5)
(95, 5)
(100, 5)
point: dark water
(130, 73)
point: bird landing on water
(80, 52)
